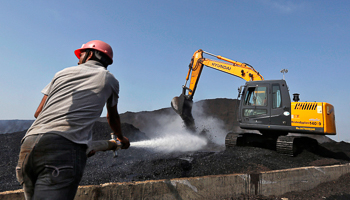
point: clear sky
(154, 40)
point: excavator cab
(265, 106)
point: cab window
(253, 112)
(256, 96)
(276, 96)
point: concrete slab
(209, 187)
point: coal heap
(137, 164)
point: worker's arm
(40, 107)
(113, 120)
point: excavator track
(231, 140)
(286, 145)
(234, 139)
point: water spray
(177, 142)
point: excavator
(265, 106)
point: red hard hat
(97, 45)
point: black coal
(138, 164)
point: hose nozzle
(119, 145)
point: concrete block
(298, 179)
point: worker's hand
(91, 153)
(112, 144)
(125, 142)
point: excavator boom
(183, 104)
(241, 70)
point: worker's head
(95, 50)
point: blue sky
(153, 42)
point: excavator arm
(183, 104)
(241, 70)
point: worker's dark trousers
(52, 169)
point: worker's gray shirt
(76, 97)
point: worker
(53, 151)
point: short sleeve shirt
(76, 97)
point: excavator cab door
(280, 104)
(254, 105)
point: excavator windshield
(256, 98)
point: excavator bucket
(183, 107)
(177, 104)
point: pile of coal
(138, 164)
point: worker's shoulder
(68, 69)
(83, 68)
(110, 77)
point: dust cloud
(169, 134)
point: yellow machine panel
(313, 116)
(329, 119)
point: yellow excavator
(264, 106)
